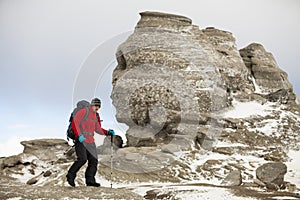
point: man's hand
(81, 138)
(111, 132)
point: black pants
(85, 152)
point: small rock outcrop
(45, 149)
(48, 150)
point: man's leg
(92, 165)
(81, 153)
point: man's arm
(99, 129)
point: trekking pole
(111, 159)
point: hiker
(85, 122)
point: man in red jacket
(84, 125)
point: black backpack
(80, 105)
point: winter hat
(96, 102)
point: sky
(48, 46)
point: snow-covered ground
(240, 110)
(192, 192)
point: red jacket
(90, 125)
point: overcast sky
(44, 45)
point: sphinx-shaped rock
(170, 73)
(173, 76)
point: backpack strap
(87, 112)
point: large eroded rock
(169, 74)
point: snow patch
(248, 109)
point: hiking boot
(71, 181)
(93, 184)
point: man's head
(96, 104)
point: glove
(81, 138)
(111, 132)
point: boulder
(234, 178)
(272, 173)
(32, 181)
(47, 173)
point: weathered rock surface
(272, 173)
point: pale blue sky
(43, 44)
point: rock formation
(174, 86)
(172, 76)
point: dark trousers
(85, 152)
